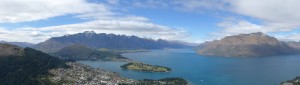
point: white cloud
(268, 10)
(280, 15)
(13, 11)
(289, 37)
(275, 15)
(103, 20)
(127, 26)
(237, 27)
(182, 5)
(114, 2)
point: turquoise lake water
(201, 70)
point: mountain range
(102, 40)
(247, 45)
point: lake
(201, 70)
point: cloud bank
(102, 19)
(271, 16)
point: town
(86, 75)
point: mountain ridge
(103, 40)
(246, 45)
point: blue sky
(192, 21)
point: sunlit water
(201, 70)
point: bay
(203, 70)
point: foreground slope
(245, 45)
(102, 40)
(25, 66)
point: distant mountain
(21, 44)
(245, 45)
(80, 52)
(25, 66)
(103, 40)
(293, 44)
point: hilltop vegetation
(145, 67)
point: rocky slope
(102, 40)
(246, 45)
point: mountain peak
(244, 45)
(89, 32)
(258, 34)
(102, 40)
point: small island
(145, 67)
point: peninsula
(145, 67)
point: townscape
(83, 74)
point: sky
(193, 21)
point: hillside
(246, 45)
(25, 66)
(103, 40)
(80, 52)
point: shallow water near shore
(201, 70)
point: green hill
(80, 52)
(145, 67)
(26, 66)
